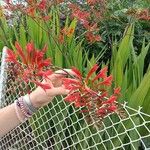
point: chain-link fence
(60, 126)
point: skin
(39, 98)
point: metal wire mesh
(60, 126)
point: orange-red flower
(81, 15)
(42, 5)
(91, 27)
(61, 38)
(31, 63)
(31, 11)
(92, 38)
(85, 91)
(89, 17)
(117, 91)
(46, 18)
(143, 14)
(91, 2)
(94, 69)
(101, 74)
(68, 31)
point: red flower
(79, 14)
(84, 16)
(31, 11)
(92, 38)
(11, 56)
(77, 72)
(87, 95)
(61, 38)
(20, 53)
(91, 28)
(68, 31)
(31, 63)
(102, 112)
(143, 15)
(42, 5)
(71, 84)
(102, 74)
(76, 98)
(103, 95)
(46, 18)
(112, 108)
(107, 81)
(91, 2)
(117, 91)
(93, 69)
(111, 100)
(73, 97)
(43, 63)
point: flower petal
(20, 52)
(93, 69)
(77, 72)
(102, 74)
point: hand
(40, 98)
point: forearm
(9, 119)
(8, 115)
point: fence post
(3, 74)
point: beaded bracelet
(17, 113)
(25, 110)
(25, 106)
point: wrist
(35, 100)
(29, 105)
(39, 100)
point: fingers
(55, 80)
(62, 73)
(59, 74)
(47, 81)
(62, 91)
(56, 77)
(59, 91)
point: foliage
(128, 70)
(117, 16)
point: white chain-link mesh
(60, 126)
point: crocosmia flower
(30, 64)
(91, 94)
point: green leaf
(123, 55)
(58, 58)
(139, 95)
(22, 40)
